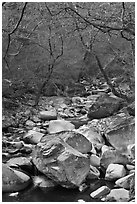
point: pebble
(100, 192)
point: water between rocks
(57, 194)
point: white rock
(60, 125)
(105, 148)
(94, 160)
(125, 181)
(118, 195)
(115, 171)
(48, 115)
(100, 192)
(30, 123)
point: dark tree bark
(114, 91)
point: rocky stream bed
(70, 149)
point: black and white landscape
(68, 102)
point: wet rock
(104, 106)
(125, 181)
(93, 173)
(13, 180)
(94, 160)
(43, 182)
(61, 163)
(122, 135)
(118, 195)
(33, 137)
(60, 125)
(48, 115)
(100, 192)
(115, 171)
(113, 156)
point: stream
(56, 194)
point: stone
(77, 99)
(94, 160)
(93, 173)
(130, 167)
(105, 148)
(33, 137)
(60, 125)
(131, 151)
(131, 109)
(125, 181)
(91, 134)
(113, 156)
(104, 106)
(75, 140)
(13, 180)
(61, 163)
(43, 182)
(100, 192)
(115, 171)
(118, 195)
(22, 162)
(122, 135)
(48, 115)
(30, 123)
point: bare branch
(114, 91)
(103, 28)
(15, 28)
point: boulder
(61, 163)
(91, 134)
(74, 139)
(125, 181)
(33, 137)
(60, 125)
(48, 115)
(100, 192)
(104, 106)
(13, 180)
(122, 135)
(113, 156)
(115, 171)
(118, 195)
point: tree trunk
(114, 91)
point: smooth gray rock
(13, 180)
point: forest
(68, 101)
